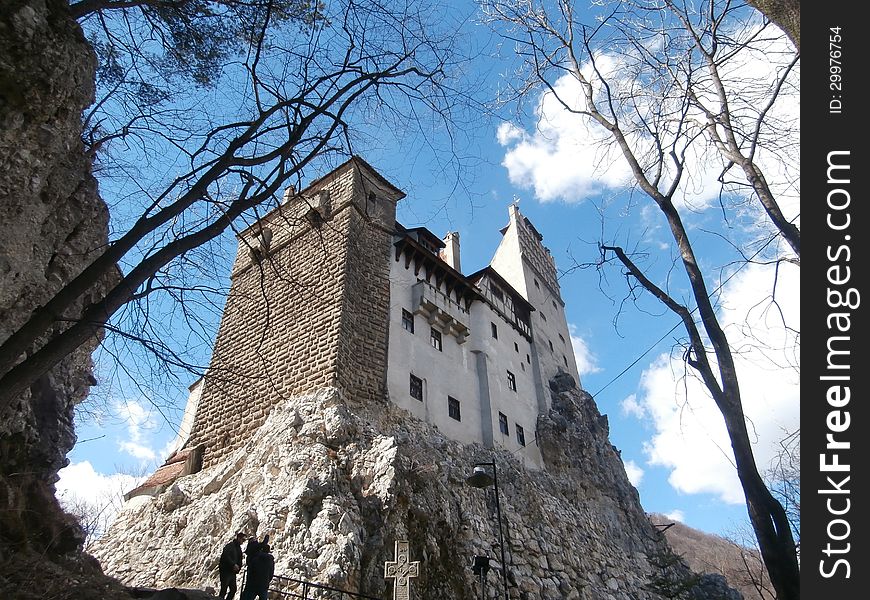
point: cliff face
(335, 486)
(51, 220)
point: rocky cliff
(52, 220)
(335, 484)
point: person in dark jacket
(229, 565)
(261, 569)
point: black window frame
(521, 434)
(503, 426)
(493, 330)
(512, 381)
(408, 321)
(454, 411)
(415, 382)
(435, 339)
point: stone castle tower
(307, 308)
(357, 377)
(328, 290)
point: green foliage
(672, 578)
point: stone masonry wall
(311, 314)
(364, 335)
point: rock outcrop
(334, 485)
(52, 220)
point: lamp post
(479, 478)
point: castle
(328, 289)
(357, 378)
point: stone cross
(401, 571)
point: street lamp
(479, 478)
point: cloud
(568, 157)
(95, 498)
(586, 361)
(632, 408)
(634, 472)
(140, 422)
(690, 437)
(137, 450)
(676, 515)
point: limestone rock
(339, 486)
(52, 220)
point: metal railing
(282, 587)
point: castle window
(561, 338)
(503, 424)
(453, 408)
(565, 358)
(407, 321)
(537, 285)
(512, 381)
(435, 339)
(521, 435)
(516, 347)
(416, 387)
(494, 331)
(544, 317)
(523, 367)
(554, 304)
(528, 359)
(496, 293)
(551, 345)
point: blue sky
(674, 449)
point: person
(261, 569)
(254, 545)
(229, 565)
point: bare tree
(655, 80)
(288, 96)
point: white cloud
(568, 157)
(137, 450)
(690, 439)
(631, 407)
(140, 422)
(93, 497)
(676, 515)
(586, 361)
(634, 472)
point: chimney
(450, 254)
(288, 194)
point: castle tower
(524, 261)
(307, 307)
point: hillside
(708, 553)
